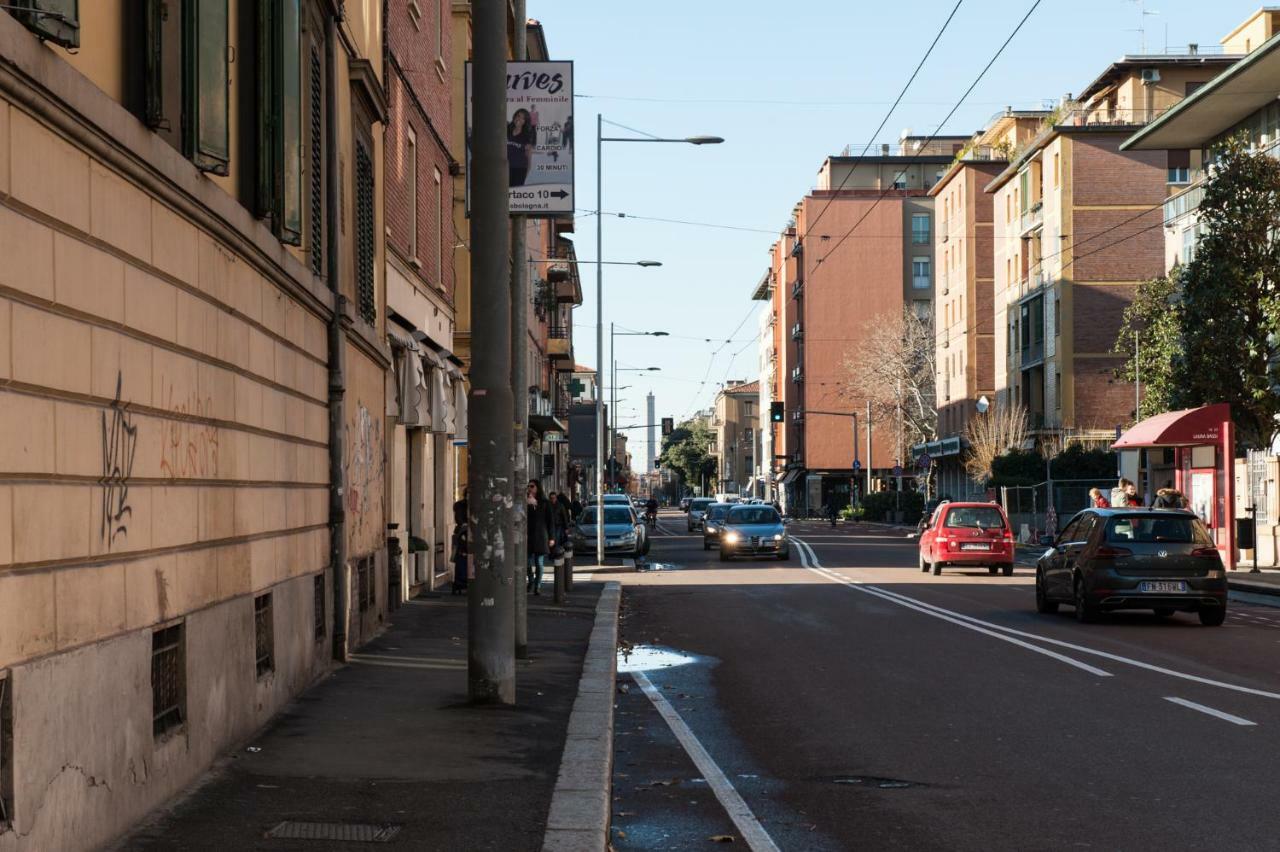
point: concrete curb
(580, 805)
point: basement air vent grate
(348, 832)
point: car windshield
(612, 515)
(981, 517)
(753, 515)
(700, 505)
(715, 513)
(1152, 529)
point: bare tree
(892, 366)
(992, 434)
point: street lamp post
(600, 140)
(613, 379)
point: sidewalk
(390, 740)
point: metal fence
(1032, 513)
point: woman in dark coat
(538, 535)
(460, 546)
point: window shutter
(206, 124)
(268, 115)
(317, 167)
(154, 61)
(364, 234)
(57, 21)
(290, 144)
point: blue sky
(785, 85)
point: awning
(543, 423)
(1187, 428)
(790, 476)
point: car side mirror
(1046, 541)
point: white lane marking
(807, 555)
(1235, 720)
(1129, 661)
(757, 839)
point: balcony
(1031, 354)
(1183, 203)
(797, 374)
(559, 343)
(797, 332)
(1032, 217)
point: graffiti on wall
(364, 469)
(119, 443)
(188, 449)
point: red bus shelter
(1203, 441)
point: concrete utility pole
(491, 667)
(652, 435)
(869, 464)
(519, 389)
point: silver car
(753, 531)
(698, 511)
(623, 534)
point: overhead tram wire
(932, 136)
(885, 120)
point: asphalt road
(844, 700)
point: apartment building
(1077, 228)
(430, 396)
(764, 475)
(773, 289)
(862, 249)
(964, 312)
(735, 424)
(191, 525)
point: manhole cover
(349, 832)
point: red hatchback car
(968, 535)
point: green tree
(1210, 332)
(685, 451)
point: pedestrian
(1099, 501)
(1169, 498)
(830, 510)
(538, 532)
(460, 546)
(1132, 500)
(575, 506)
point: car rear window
(1153, 529)
(700, 504)
(716, 512)
(753, 515)
(979, 517)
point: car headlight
(777, 537)
(732, 536)
(711, 528)
(631, 536)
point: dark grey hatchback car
(1109, 559)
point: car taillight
(1008, 535)
(1205, 552)
(1112, 552)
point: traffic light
(775, 412)
(668, 426)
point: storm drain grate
(350, 832)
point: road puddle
(658, 566)
(647, 658)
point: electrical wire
(941, 124)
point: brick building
(1077, 228)
(964, 311)
(862, 248)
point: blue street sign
(857, 465)
(897, 470)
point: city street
(845, 700)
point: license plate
(975, 547)
(1163, 586)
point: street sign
(924, 460)
(897, 470)
(857, 465)
(540, 144)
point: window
(168, 680)
(442, 21)
(280, 117)
(1057, 390)
(920, 228)
(1057, 168)
(263, 634)
(61, 26)
(1188, 244)
(442, 217)
(920, 279)
(365, 249)
(315, 171)
(1179, 163)
(411, 179)
(1008, 207)
(900, 180)
(318, 588)
(6, 751)
(1057, 317)
(922, 309)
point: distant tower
(651, 454)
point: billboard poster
(540, 143)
